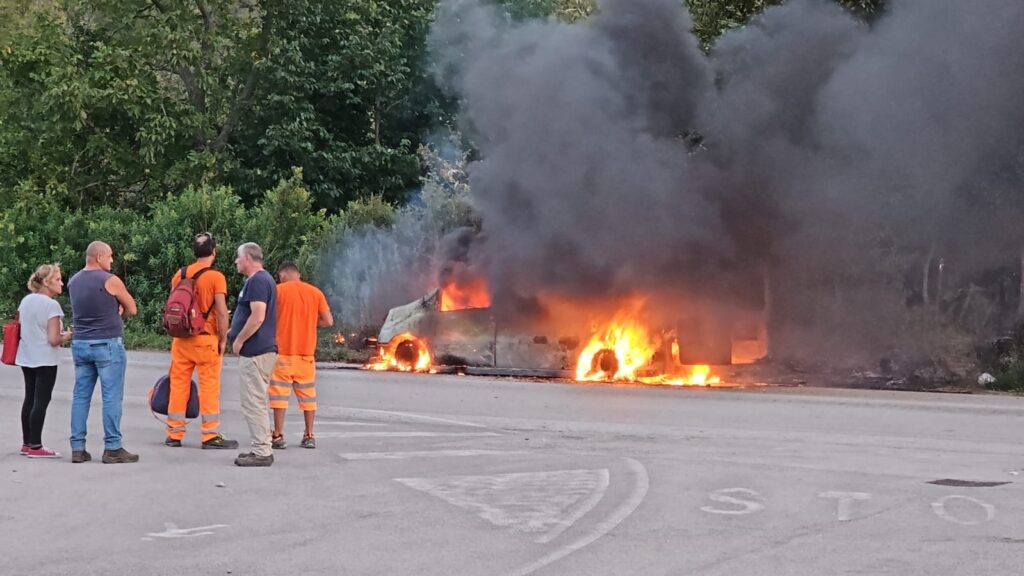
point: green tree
(713, 17)
(346, 96)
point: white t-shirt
(35, 350)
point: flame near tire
(403, 353)
(623, 349)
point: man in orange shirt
(202, 352)
(301, 307)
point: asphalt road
(448, 475)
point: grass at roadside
(350, 348)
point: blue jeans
(104, 359)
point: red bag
(181, 318)
(12, 336)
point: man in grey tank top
(100, 303)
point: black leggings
(38, 390)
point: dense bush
(150, 246)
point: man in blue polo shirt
(253, 337)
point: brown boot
(119, 456)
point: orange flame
(404, 353)
(700, 375)
(617, 352)
(468, 293)
(624, 349)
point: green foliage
(711, 18)
(141, 339)
(570, 10)
(284, 221)
(161, 244)
(149, 247)
(345, 95)
(123, 102)
(1010, 380)
(372, 211)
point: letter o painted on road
(939, 507)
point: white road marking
(544, 503)
(939, 507)
(334, 423)
(620, 514)
(413, 434)
(172, 531)
(844, 506)
(580, 511)
(420, 417)
(746, 506)
(424, 454)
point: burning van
(628, 340)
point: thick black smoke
(617, 157)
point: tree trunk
(376, 124)
(926, 276)
(1020, 302)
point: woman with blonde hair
(41, 336)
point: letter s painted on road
(745, 506)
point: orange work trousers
(188, 355)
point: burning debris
(627, 351)
(462, 290)
(402, 353)
(622, 348)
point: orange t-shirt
(298, 306)
(210, 283)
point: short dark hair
(204, 245)
(287, 266)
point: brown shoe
(79, 456)
(119, 456)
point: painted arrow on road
(172, 531)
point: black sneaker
(79, 456)
(119, 456)
(172, 442)
(278, 443)
(219, 442)
(252, 460)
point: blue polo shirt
(260, 287)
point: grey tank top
(93, 309)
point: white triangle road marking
(541, 504)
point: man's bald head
(99, 253)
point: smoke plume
(617, 157)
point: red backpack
(12, 336)
(182, 318)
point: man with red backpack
(196, 316)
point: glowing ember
(404, 353)
(469, 292)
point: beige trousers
(255, 378)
